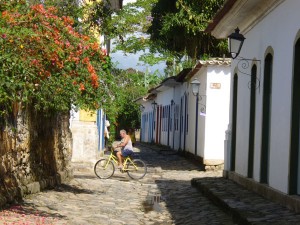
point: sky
(132, 60)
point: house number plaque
(215, 85)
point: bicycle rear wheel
(104, 169)
(136, 169)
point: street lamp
(195, 86)
(235, 43)
(154, 104)
(195, 89)
(142, 108)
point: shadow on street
(166, 158)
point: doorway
(266, 117)
(252, 120)
(294, 177)
(234, 120)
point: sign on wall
(215, 85)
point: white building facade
(265, 96)
(214, 76)
(170, 114)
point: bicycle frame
(105, 167)
(113, 158)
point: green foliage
(152, 59)
(170, 30)
(44, 62)
(131, 85)
(133, 19)
(178, 26)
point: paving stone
(121, 200)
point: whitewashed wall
(217, 111)
(213, 121)
(177, 95)
(85, 139)
(183, 135)
(277, 30)
(202, 77)
(164, 99)
(147, 121)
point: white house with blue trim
(170, 113)
(264, 129)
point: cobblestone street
(120, 200)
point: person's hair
(123, 131)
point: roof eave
(219, 16)
(244, 14)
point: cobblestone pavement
(164, 196)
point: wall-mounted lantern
(235, 43)
(195, 86)
(154, 105)
(142, 108)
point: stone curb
(245, 207)
(208, 191)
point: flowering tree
(45, 62)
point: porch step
(244, 206)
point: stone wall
(35, 153)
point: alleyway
(120, 200)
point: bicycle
(105, 168)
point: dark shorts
(126, 152)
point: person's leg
(119, 155)
(105, 142)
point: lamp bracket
(202, 105)
(202, 108)
(243, 66)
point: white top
(129, 145)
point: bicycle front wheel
(104, 169)
(136, 169)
